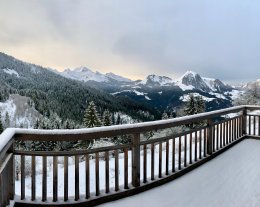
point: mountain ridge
(188, 81)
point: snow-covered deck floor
(231, 179)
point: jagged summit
(194, 80)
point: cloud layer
(217, 38)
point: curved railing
(106, 173)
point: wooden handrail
(97, 132)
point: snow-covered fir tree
(200, 104)
(91, 117)
(36, 124)
(194, 105)
(118, 119)
(107, 119)
(1, 124)
(164, 116)
(7, 120)
(190, 107)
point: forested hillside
(52, 93)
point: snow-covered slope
(19, 111)
(85, 74)
(155, 81)
(117, 77)
(252, 85)
(216, 85)
(11, 72)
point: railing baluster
(217, 137)
(205, 143)
(244, 122)
(160, 160)
(173, 154)
(226, 133)
(241, 127)
(221, 135)
(196, 145)
(190, 148)
(44, 178)
(66, 180)
(185, 150)
(210, 140)
(213, 138)
(200, 144)
(76, 177)
(167, 158)
(87, 179)
(107, 170)
(254, 126)
(236, 128)
(55, 179)
(230, 131)
(33, 178)
(145, 164)
(22, 177)
(97, 174)
(249, 119)
(258, 125)
(152, 161)
(116, 171)
(179, 149)
(126, 168)
(136, 160)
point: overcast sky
(134, 38)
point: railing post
(209, 136)
(244, 121)
(7, 189)
(12, 174)
(136, 160)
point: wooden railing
(94, 176)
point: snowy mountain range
(161, 92)
(189, 81)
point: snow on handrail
(9, 133)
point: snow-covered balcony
(109, 172)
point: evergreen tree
(1, 125)
(91, 118)
(36, 125)
(165, 115)
(113, 119)
(194, 105)
(7, 120)
(200, 103)
(190, 108)
(40, 146)
(118, 120)
(107, 120)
